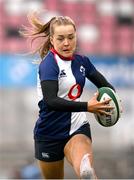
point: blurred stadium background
(106, 34)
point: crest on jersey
(82, 70)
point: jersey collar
(62, 57)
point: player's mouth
(67, 51)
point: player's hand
(94, 106)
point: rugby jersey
(70, 74)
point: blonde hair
(40, 30)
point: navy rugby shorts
(50, 151)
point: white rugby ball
(108, 120)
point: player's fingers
(106, 107)
(106, 101)
(102, 112)
(96, 94)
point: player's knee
(86, 171)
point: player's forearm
(50, 89)
(99, 80)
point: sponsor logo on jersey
(82, 70)
(62, 73)
(74, 92)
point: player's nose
(66, 42)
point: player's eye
(60, 39)
(71, 37)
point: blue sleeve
(48, 69)
(90, 69)
(95, 76)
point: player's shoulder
(48, 59)
(82, 58)
(78, 56)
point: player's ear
(51, 40)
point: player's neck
(62, 57)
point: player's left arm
(99, 80)
(95, 76)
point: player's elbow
(51, 105)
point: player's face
(64, 40)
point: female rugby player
(62, 129)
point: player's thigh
(50, 155)
(52, 170)
(78, 146)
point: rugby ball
(108, 120)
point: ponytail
(36, 31)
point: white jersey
(71, 75)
